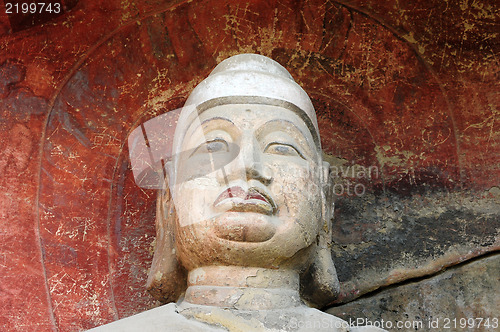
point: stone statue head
(247, 186)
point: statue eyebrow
(201, 124)
(281, 122)
(256, 100)
(216, 118)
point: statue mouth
(236, 199)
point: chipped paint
(408, 88)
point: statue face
(248, 188)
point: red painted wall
(408, 87)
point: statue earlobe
(167, 278)
(319, 283)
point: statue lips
(248, 217)
(236, 199)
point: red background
(408, 87)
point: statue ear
(319, 283)
(167, 279)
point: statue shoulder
(189, 318)
(155, 320)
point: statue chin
(244, 227)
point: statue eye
(283, 149)
(213, 146)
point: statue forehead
(234, 106)
(250, 117)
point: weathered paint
(411, 89)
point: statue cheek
(295, 186)
(194, 199)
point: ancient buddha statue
(243, 229)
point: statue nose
(259, 172)
(251, 155)
(248, 164)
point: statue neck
(243, 288)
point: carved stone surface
(244, 143)
(461, 298)
(411, 88)
(411, 236)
